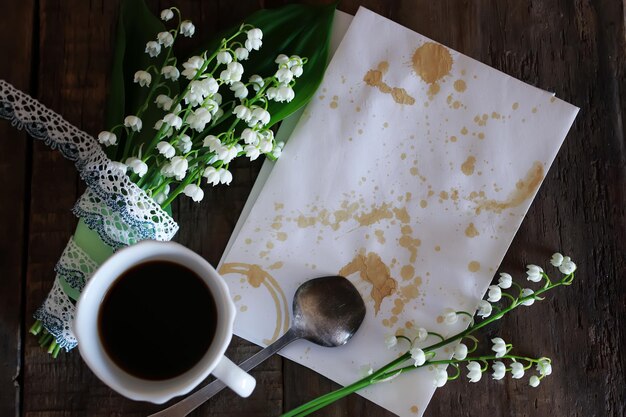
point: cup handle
(234, 377)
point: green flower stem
(153, 89)
(390, 370)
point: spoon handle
(187, 405)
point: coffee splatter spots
(471, 231)
(372, 269)
(248, 241)
(380, 236)
(275, 265)
(243, 309)
(515, 106)
(414, 409)
(256, 277)
(468, 166)
(432, 62)
(335, 103)
(460, 86)
(464, 131)
(376, 214)
(452, 138)
(524, 189)
(409, 242)
(374, 78)
(402, 215)
(407, 272)
(423, 203)
(473, 266)
(281, 236)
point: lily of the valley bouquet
(174, 127)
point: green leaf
(136, 26)
(294, 29)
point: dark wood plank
(16, 48)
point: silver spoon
(326, 311)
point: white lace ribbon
(113, 206)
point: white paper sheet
(409, 173)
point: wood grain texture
(16, 39)
(574, 48)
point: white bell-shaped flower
(167, 15)
(184, 143)
(199, 119)
(166, 149)
(187, 28)
(418, 356)
(137, 166)
(517, 370)
(224, 57)
(499, 347)
(505, 281)
(534, 273)
(460, 351)
(499, 370)
(143, 78)
(450, 316)
(239, 90)
(225, 176)
(242, 54)
(166, 39)
(212, 175)
(534, 381)
(192, 65)
(194, 192)
(173, 121)
(153, 48)
(441, 377)
(525, 293)
(557, 259)
(484, 309)
(495, 294)
(133, 122)
(107, 138)
(475, 372)
(567, 266)
(170, 72)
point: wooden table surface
(60, 52)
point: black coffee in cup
(157, 320)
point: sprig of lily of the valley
(421, 347)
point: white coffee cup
(213, 362)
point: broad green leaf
(136, 26)
(294, 29)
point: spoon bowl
(327, 311)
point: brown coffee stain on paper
(432, 62)
(380, 236)
(524, 189)
(376, 214)
(256, 277)
(372, 269)
(460, 86)
(471, 231)
(473, 266)
(327, 218)
(374, 78)
(468, 166)
(409, 242)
